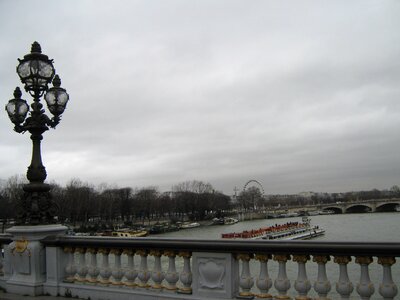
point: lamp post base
(36, 206)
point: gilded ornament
(246, 294)
(262, 257)
(185, 254)
(141, 252)
(263, 296)
(80, 250)
(129, 252)
(301, 258)
(185, 290)
(302, 298)
(91, 250)
(104, 251)
(342, 260)
(116, 251)
(364, 260)
(321, 259)
(155, 253)
(244, 256)
(157, 286)
(21, 246)
(170, 253)
(281, 257)
(68, 249)
(386, 260)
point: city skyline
(299, 96)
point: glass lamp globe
(35, 70)
(17, 108)
(56, 97)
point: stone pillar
(28, 259)
(56, 261)
(215, 275)
(7, 271)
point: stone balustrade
(150, 268)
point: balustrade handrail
(234, 246)
(90, 260)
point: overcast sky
(299, 95)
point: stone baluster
(70, 268)
(157, 275)
(387, 289)
(117, 272)
(186, 274)
(302, 285)
(82, 267)
(144, 273)
(365, 287)
(93, 269)
(172, 275)
(282, 283)
(105, 271)
(130, 273)
(344, 287)
(263, 282)
(322, 286)
(246, 282)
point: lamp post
(36, 71)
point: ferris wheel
(255, 182)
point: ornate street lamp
(36, 71)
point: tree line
(80, 202)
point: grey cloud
(300, 96)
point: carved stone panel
(214, 275)
(211, 273)
(21, 257)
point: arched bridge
(378, 205)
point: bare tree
(11, 193)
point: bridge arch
(387, 207)
(336, 209)
(358, 208)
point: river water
(374, 227)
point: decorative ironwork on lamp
(36, 71)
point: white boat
(218, 221)
(188, 225)
(224, 221)
(289, 215)
(230, 221)
(313, 212)
(326, 212)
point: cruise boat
(301, 233)
(288, 231)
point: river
(374, 227)
(378, 227)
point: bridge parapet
(150, 268)
(373, 205)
